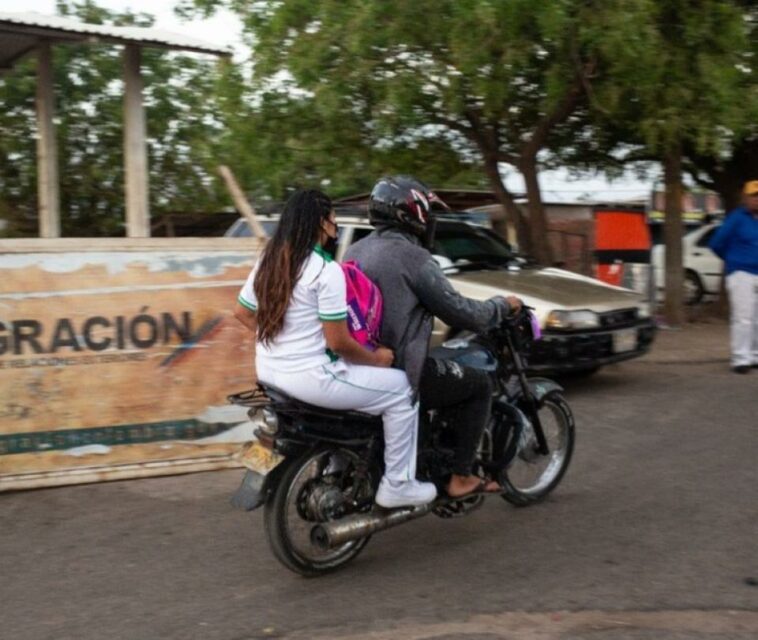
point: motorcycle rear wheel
(532, 476)
(293, 509)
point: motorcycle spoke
(533, 474)
(310, 477)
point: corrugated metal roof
(20, 32)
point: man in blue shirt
(736, 242)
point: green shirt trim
(333, 316)
(246, 304)
(320, 251)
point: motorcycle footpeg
(458, 507)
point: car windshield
(463, 242)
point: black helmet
(404, 202)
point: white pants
(743, 299)
(374, 390)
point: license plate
(257, 458)
(625, 340)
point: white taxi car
(585, 323)
(702, 267)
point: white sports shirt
(319, 294)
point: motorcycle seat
(283, 401)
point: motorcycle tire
(282, 513)
(530, 477)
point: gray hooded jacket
(415, 290)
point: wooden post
(47, 147)
(673, 229)
(241, 202)
(135, 147)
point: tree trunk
(730, 174)
(672, 232)
(540, 247)
(512, 211)
(729, 187)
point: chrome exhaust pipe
(328, 535)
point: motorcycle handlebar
(523, 311)
(520, 326)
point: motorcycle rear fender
(255, 487)
(252, 492)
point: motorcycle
(315, 471)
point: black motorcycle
(315, 471)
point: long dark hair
(284, 255)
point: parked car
(702, 267)
(585, 323)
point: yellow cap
(751, 188)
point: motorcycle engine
(320, 502)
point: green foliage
(485, 82)
(380, 72)
(691, 93)
(323, 113)
(726, 167)
(18, 173)
(671, 78)
(278, 141)
(338, 92)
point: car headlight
(565, 320)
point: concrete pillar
(48, 189)
(135, 148)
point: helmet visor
(436, 204)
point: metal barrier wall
(116, 357)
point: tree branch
(560, 112)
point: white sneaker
(411, 493)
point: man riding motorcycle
(396, 256)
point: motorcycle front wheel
(314, 489)
(531, 476)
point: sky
(225, 29)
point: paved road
(653, 534)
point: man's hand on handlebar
(515, 305)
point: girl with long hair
(294, 301)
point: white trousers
(743, 300)
(374, 390)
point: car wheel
(693, 288)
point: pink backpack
(364, 306)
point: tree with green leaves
(276, 140)
(491, 81)
(670, 92)
(725, 169)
